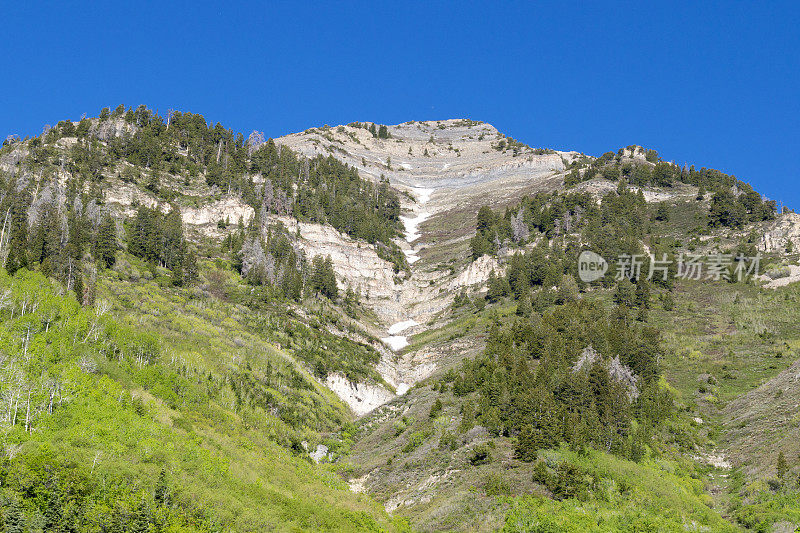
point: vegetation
(155, 379)
(110, 427)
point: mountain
(212, 332)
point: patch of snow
(406, 166)
(412, 224)
(402, 389)
(394, 329)
(411, 256)
(423, 194)
(395, 342)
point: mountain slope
(399, 303)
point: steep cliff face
(477, 273)
(781, 233)
(356, 263)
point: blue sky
(715, 84)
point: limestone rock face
(361, 397)
(355, 263)
(9, 161)
(477, 272)
(230, 208)
(784, 230)
(111, 128)
(125, 195)
(319, 454)
(456, 154)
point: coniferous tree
(527, 444)
(105, 248)
(190, 269)
(782, 466)
(323, 278)
(498, 288)
(161, 493)
(18, 242)
(662, 212)
(77, 285)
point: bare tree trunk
(28, 412)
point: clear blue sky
(714, 84)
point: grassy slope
(125, 422)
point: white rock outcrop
(477, 272)
(355, 263)
(784, 230)
(361, 397)
(229, 208)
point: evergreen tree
(498, 288)
(105, 248)
(161, 493)
(527, 444)
(52, 512)
(662, 212)
(18, 242)
(323, 278)
(436, 409)
(524, 307)
(77, 286)
(782, 466)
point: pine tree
(527, 444)
(18, 243)
(498, 288)
(436, 409)
(662, 212)
(105, 248)
(524, 307)
(77, 285)
(781, 466)
(173, 242)
(52, 512)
